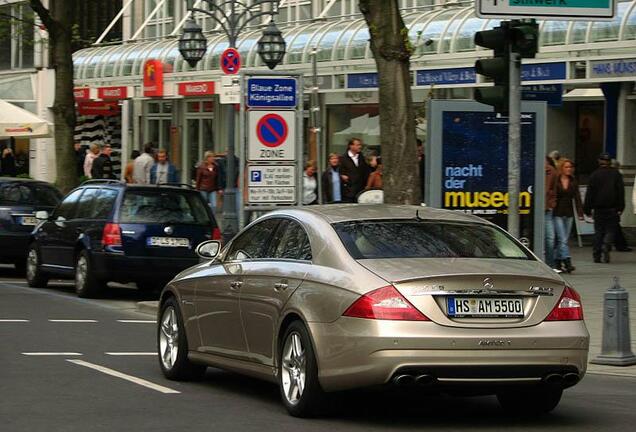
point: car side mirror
(42, 215)
(209, 249)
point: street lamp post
(232, 16)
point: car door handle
(280, 286)
(236, 285)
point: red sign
(199, 88)
(272, 130)
(112, 93)
(99, 108)
(82, 94)
(153, 78)
(230, 61)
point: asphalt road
(69, 364)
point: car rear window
(426, 239)
(163, 206)
(29, 194)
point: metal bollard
(617, 344)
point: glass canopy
(450, 30)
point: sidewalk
(591, 280)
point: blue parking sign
(257, 176)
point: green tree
(59, 24)
(392, 52)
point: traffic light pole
(514, 143)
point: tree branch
(44, 14)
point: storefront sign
(198, 88)
(464, 75)
(582, 10)
(271, 92)
(112, 93)
(613, 68)
(82, 94)
(105, 109)
(272, 136)
(543, 71)
(153, 78)
(362, 80)
(550, 93)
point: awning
(19, 123)
(584, 94)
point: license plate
(168, 242)
(469, 307)
(28, 220)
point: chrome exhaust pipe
(403, 380)
(570, 378)
(554, 379)
(424, 380)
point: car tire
(87, 285)
(172, 345)
(300, 389)
(530, 401)
(35, 277)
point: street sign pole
(514, 142)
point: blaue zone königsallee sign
(547, 9)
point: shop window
(16, 37)
(154, 108)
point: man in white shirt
(142, 166)
(91, 155)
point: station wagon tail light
(111, 235)
(384, 304)
(569, 307)
(216, 233)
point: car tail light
(568, 308)
(384, 304)
(216, 233)
(111, 235)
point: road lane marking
(138, 321)
(133, 379)
(13, 320)
(72, 320)
(66, 354)
(131, 353)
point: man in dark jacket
(354, 171)
(103, 165)
(605, 201)
(332, 181)
(80, 155)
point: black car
(19, 200)
(107, 231)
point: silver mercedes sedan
(329, 298)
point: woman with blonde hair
(567, 201)
(208, 179)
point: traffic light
(524, 37)
(496, 68)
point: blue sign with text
(465, 75)
(543, 71)
(362, 80)
(550, 93)
(271, 92)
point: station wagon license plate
(168, 242)
(484, 307)
(28, 220)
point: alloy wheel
(169, 338)
(32, 264)
(293, 368)
(81, 273)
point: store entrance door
(199, 135)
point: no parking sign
(272, 136)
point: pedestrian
(620, 242)
(128, 172)
(143, 164)
(91, 155)
(102, 167)
(163, 171)
(604, 201)
(332, 181)
(568, 199)
(7, 165)
(550, 204)
(208, 179)
(354, 171)
(310, 184)
(375, 178)
(421, 160)
(80, 156)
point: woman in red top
(207, 179)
